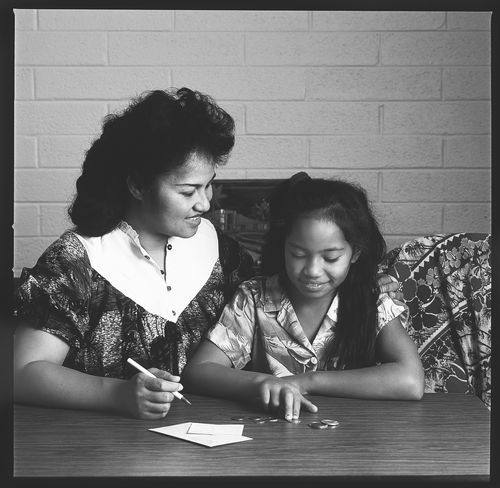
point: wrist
(114, 395)
(305, 382)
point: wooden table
(442, 437)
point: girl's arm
(400, 376)
(210, 372)
(40, 378)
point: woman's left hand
(389, 285)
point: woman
(142, 274)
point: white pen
(145, 371)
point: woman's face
(317, 258)
(174, 203)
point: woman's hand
(144, 397)
(389, 285)
(284, 395)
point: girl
(316, 323)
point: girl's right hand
(149, 398)
(284, 395)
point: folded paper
(210, 435)
(215, 429)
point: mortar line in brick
(443, 151)
(37, 152)
(441, 82)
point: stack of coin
(331, 424)
(317, 425)
(258, 420)
(324, 424)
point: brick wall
(397, 101)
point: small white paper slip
(215, 429)
(180, 431)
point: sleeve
(54, 295)
(388, 309)
(233, 333)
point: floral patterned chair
(446, 283)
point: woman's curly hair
(155, 134)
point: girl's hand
(389, 285)
(283, 394)
(144, 397)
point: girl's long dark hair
(346, 205)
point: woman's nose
(203, 203)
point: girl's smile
(317, 258)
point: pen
(145, 371)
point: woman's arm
(40, 378)
(400, 376)
(210, 372)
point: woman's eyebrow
(196, 185)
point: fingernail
(180, 387)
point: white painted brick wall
(311, 49)
(398, 102)
(374, 84)
(377, 21)
(311, 118)
(241, 21)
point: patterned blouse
(108, 300)
(259, 329)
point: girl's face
(173, 204)
(317, 258)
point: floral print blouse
(259, 328)
(89, 292)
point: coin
(255, 418)
(239, 419)
(296, 421)
(330, 423)
(317, 425)
(273, 419)
(259, 421)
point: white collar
(119, 257)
